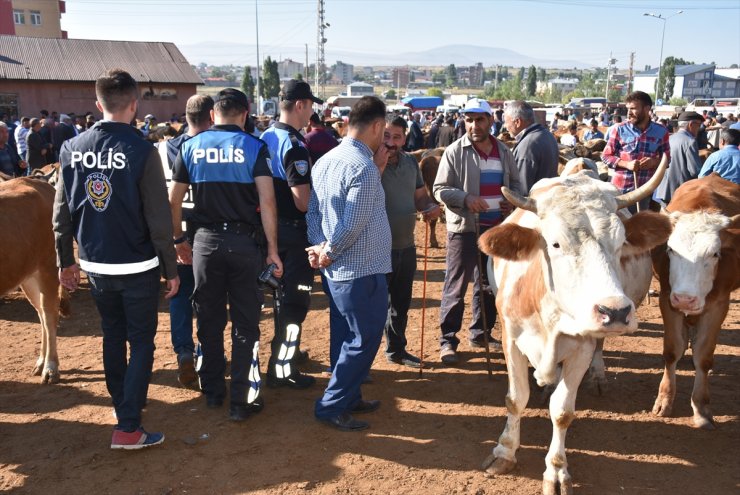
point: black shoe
(240, 412)
(299, 357)
(366, 406)
(480, 343)
(405, 359)
(186, 370)
(345, 422)
(296, 380)
(214, 402)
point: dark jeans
(181, 313)
(226, 267)
(462, 265)
(400, 287)
(297, 281)
(358, 312)
(128, 310)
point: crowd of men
(245, 214)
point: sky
(584, 30)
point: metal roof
(85, 60)
(681, 70)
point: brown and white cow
(698, 269)
(29, 261)
(568, 270)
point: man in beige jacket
(471, 173)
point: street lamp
(660, 62)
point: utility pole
(305, 70)
(629, 77)
(259, 86)
(320, 56)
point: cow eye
(556, 245)
(716, 255)
(668, 250)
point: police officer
(111, 198)
(236, 217)
(291, 172)
(198, 115)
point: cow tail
(65, 308)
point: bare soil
(430, 435)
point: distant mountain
(216, 53)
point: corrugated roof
(85, 60)
(681, 70)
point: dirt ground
(430, 435)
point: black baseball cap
(234, 95)
(295, 90)
(688, 116)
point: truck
(422, 103)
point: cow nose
(613, 315)
(683, 300)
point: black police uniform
(112, 198)
(221, 165)
(291, 166)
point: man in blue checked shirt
(351, 237)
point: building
(288, 68)
(360, 89)
(692, 81)
(563, 85)
(32, 18)
(59, 74)
(344, 73)
(475, 75)
(400, 77)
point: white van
(725, 106)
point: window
(708, 74)
(35, 18)
(19, 17)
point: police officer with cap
(291, 172)
(111, 197)
(236, 221)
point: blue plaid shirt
(347, 210)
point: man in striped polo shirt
(469, 180)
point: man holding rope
(469, 180)
(405, 194)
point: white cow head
(581, 242)
(698, 242)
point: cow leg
(556, 478)
(703, 354)
(433, 234)
(43, 294)
(596, 380)
(503, 458)
(674, 345)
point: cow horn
(645, 190)
(518, 200)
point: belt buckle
(224, 227)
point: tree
(390, 94)
(532, 81)
(541, 74)
(670, 82)
(270, 78)
(451, 75)
(247, 85)
(667, 76)
(520, 74)
(298, 76)
(435, 92)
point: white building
(344, 73)
(692, 81)
(289, 68)
(557, 84)
(360, 89)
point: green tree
(520, 74)
(666, 81)
(247, 85)
(541, 74)
(532, 81)
(451, 75)
(270, 78)
(298, 76)
(390, 94)
(435, 92)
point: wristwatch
(180, 239)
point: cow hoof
(50, 377)
(704, 422)
(38, 368)
(557, 488)
(663, 407)
(494, 466)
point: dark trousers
(181, 313)
(128, 310)
(358, 312)
(297, 281)
(462, 265)
(226, 267)
(400, 287)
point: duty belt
(298, 223)
(240, 228)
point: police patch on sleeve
(99, 190)
(301, 166)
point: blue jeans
(358, 310)
(128, 309)
(181, 313)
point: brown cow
(29, 261)
(698, 268)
